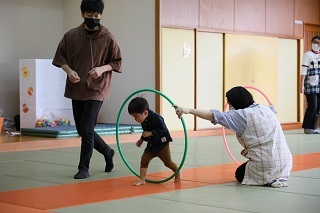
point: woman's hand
(180, 111)
(244, 152)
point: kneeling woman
(259, 132)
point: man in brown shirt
(89, 54)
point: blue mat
(70, 131)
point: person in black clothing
(310, 86)
(157, 135)
(89, 54)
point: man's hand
(73, 76)
(96, 72)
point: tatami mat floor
(42, 180)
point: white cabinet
(42, 92)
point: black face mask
(91, 22)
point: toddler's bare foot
(140, 182)
(177, 178)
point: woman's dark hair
(239, 97)
(92, 6)
(314, 38)
(138, 105)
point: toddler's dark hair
(138, 105)
(92, 6)
(239, 97)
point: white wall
(131, 22)
(29, 29)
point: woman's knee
(239, 174)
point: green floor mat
(70, 131)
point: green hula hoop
(118, 141)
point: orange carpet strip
(52, 197)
